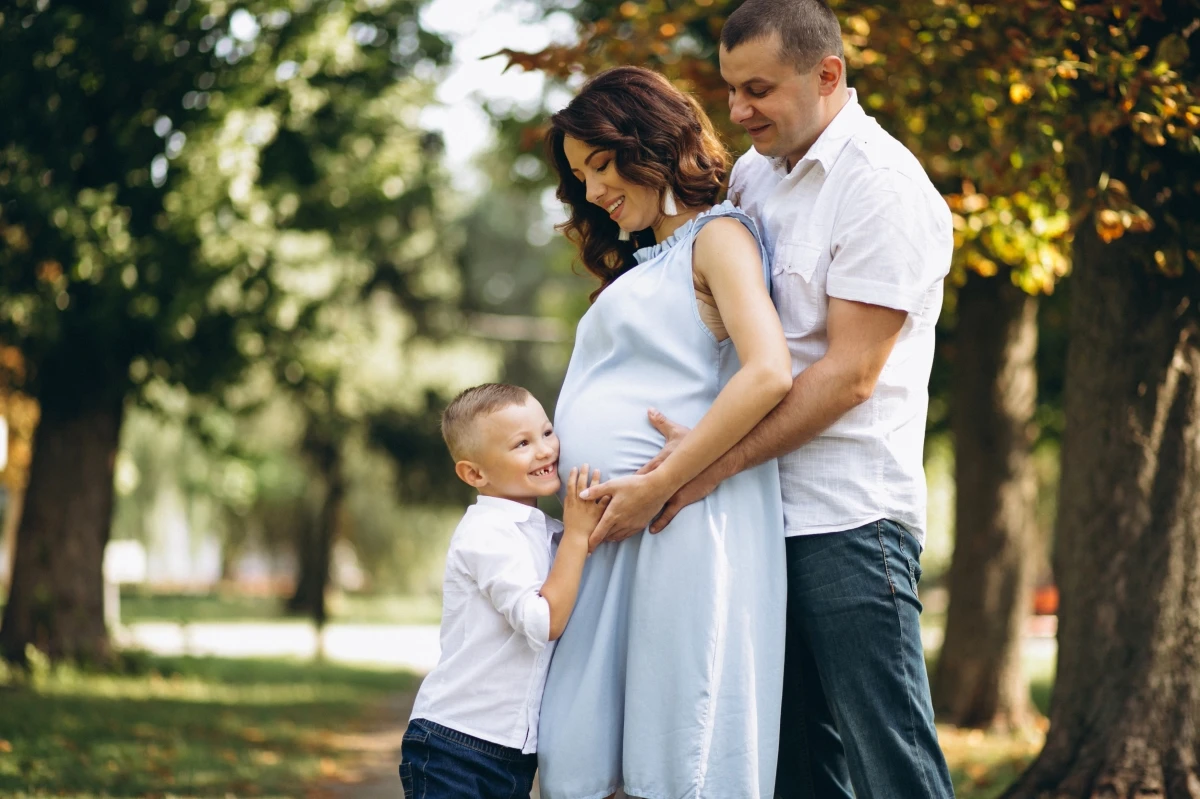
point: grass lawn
(138, 605)
(206, 727)
(183, 727)
(982, 765)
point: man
(860, 243)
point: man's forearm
(819, 396)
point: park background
(248, 250)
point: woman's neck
(667, 225)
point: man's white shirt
(856, 219)
(495, 633)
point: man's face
(776, 104)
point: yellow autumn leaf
(1019, 92)
(1108, 225)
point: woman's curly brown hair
(661, 139)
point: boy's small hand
(580, 516)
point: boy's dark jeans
(440, 763)
(856, 707)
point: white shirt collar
(518, 512)
(829, 144)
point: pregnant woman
(667, 680)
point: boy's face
(516, 454)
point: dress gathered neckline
(654, 250)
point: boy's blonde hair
(458, 420)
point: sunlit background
(253, 247)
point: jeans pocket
(911, 558)
(406, 779)
(416, 733)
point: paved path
(377, 747)
(408, 646)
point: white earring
(623, 235)
(668, 204)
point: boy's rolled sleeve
(501, 565)
(881, 243)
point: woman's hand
(633, 502)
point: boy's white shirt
(495, 634)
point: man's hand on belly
(700, 487)
(671, 431)
(694, 491)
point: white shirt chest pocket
(798, 284)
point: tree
(139, 248)
(979, 680)
(18, 414)
(1126, 698)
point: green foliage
(172, 204)
(229, 212)
(997, 100)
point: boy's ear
(470, 474)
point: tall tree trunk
(8, 535)
(56, 601)
(1124, 715)
(315, 545)
(979, 680)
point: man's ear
(470, 473)
(830, 72)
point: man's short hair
(458, 420)
(808, 29)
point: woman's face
(631, 206)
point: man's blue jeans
(440, 763)
(857, 716)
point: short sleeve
(499, 561)
(730, 211)
(892, 241)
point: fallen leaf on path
(266, 757)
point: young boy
(473, 730)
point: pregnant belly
(615, 443)
(609, 430)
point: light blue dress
(668, 678)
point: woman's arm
(726, 256)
